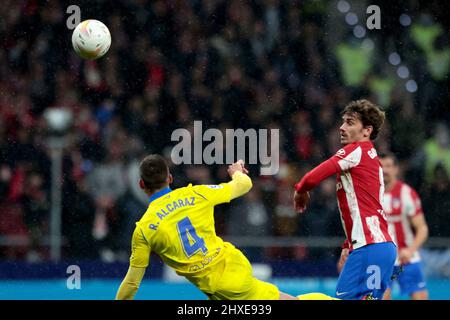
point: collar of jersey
(159, 194)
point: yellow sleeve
(240, 185)
(139, 260)
(130, 284)
(225, 192)
(140, 249)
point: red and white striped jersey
(401, 204)
(360, 191)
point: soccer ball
(91, 39)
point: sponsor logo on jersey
(340, 153)
(372, 153)
(214, 186)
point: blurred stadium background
(231, 64)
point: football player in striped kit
(369, 250)
(407, 224)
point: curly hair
(369, 113)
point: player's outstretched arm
(241, 182)
(139, 261)
(130, 283)
(310, 180)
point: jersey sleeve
(415, 205)
(215, 193)
(140, 249)
(348, 157)
(315, 176)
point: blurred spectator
(355, 60)
(36, 205)
(106, 184)
(131, 206)
(437, 204)
(403, 117)
(436, 151)
(249, 217)
(322, 216)
(78, 221)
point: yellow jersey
(179, 226)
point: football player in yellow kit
(179, 226)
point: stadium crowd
(290, 65)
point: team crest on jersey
(214, 186)
(340, 152)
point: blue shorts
(367, 272)
(411, 278)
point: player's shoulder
(182, 190)
(208, 186)
(202, 190)
(408, 189)
(178, 192)
(142, 232)
(350, 150)
(208, 191)
(362, 148)
(347, 149)
(139, 226)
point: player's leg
(306, 296)
(351, 276)
(315, 296)
(380, 268)
(367, 272)
(285, 296)
(412, 282)
(388, 293)
(235, 280)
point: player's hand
(237, 166)
(300, 201)
(405, 255)
(342, 259)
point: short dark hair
(154, 171)
(369, 113)
(389, 154)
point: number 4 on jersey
(186, 230)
